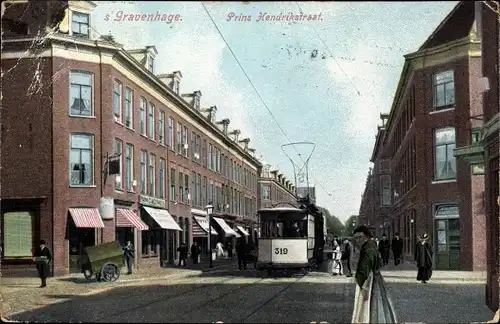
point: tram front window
(283, 225)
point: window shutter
(18, 240)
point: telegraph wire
(257, 92)
(330, 52)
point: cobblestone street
(225, 295)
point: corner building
(423, 187)
(97, 146)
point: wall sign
(107, 208)
(151, 201)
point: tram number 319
(280, 251)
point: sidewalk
(19, 294)
(408, 271)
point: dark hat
(42, 242)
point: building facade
(485, 149)
(275, 188)
(437, 107)
(97, 146)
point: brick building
(275, 188)
(77, 108)
(485, 149)
(420, 185)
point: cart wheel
(110, 272)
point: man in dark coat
(129, 255)
(369, 260)
(397, 248)
(42, 258)
(384, 247)
(346, 257)
(195, 252)
(183, 254)
(241, 253)
(423, 258)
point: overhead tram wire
(257, 92)
(330, 52)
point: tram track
(183, 295)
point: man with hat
(423, 258)
(42, 258)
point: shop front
(201, 230)
(159, 241)
(81, 232)
(227, 235)
(129, 227)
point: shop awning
(129, 218)
(242, 230)
(225, 227)
(203, 226)
(163, 218)
(86, 217)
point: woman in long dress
(423, 258)
(337, 257)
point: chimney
(245, 141)
(236, 133)
(225, 124)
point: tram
(291, 238)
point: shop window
(17, 235)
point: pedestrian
(220, 250)
(337, 257)
(183, 254)
(128, 256)
(384, 247)
(369, 260)
(346, 256)
(42, 258)
(229, 247)
(241, 254)
(195, 252)
(423, 258)
(397, 248)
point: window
(385, 184)
(209, 156)
(179, 137)
(197, 150)
(161, 127)
(444, 90)
(151, 64)
(193, 146)
(81, 158)
(18, 234)
(129, 167)
(475, 135)
(175, 86)
(129, 108)
(117, 101)
(161, 179)
(204, 192)
(170, 133)
(144, 155)
(80, 94)
(185, 141)
(151, 121)
(445, 163)
(152, 175)
(186, 189)
(118, 177)
(203, 153)
(142, 116)
(181, 187)
(196, 103)
(172, 184)
(80, 24)
(266, 192)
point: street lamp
(209, 208)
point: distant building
(274, 188)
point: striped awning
(86, 217)
(225, 227)
(200, 227)
(242, 230)
(129, 218)
(163, 218)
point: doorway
(448, 244)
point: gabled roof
(456, 25)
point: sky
(325, 81)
